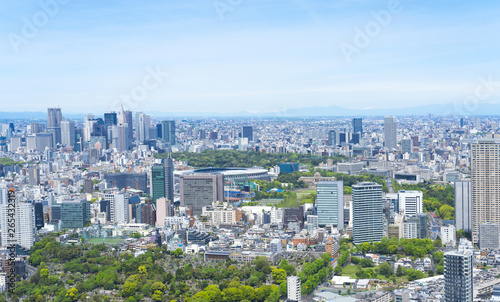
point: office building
(463, 205)
(200, 190)
(162, 180)
(390, 128)
(39, 223)
(288, 167)
(489, 236)
(293, 288)
(332, 138)
(142, 125)
(75, 214)
(247, 132)
(121, 137)
(137, 181)
(411, 202)
(448, 235)
(163, 209)
(458, 278)
(357, 125)
(24, 229)
(54, 119)
(367, 208)
(294, 215)
(406, 146)
(35, 128)
(275, 246)
(330, 203)
(125, 119)
(168, 132)
(67, 133)
(110, 119)
(485, 166)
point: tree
(72, 294)
(366, 262)
(338, 270)
(157, 296)
(129, 289)
(278, 275)
(158, 286)
(400, 271)
(142, 270)
(44, 273)
(177, 253)
(385, 269)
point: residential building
(293, 288)
(367, 207)
(463, 205)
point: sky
(245, 55)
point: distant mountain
(436, 109)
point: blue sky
(262, 56)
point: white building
(23, 233)
(276, 246)
(118, 208)
(411, 202)
(448, 235)
(409, 230)
(293, 288)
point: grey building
(68, 133)
(330, 203)
(489, 236)
(357, 125)
(247, 132)
(136, 181)
(463, 205)
(54, 119)
(75, 214)
(200, 190)
(458, 285)
(367, 207)
(390, 128)
(406, 146)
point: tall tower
(68, 133)
(485, 165)
(367, 208)
(168, 131)
(330, 203)
(247, 131)
(54, 119)
(458, 282)
(142, 125)
(168, 165)
(390, 127)
(463, 205)
(357, 125)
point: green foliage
(435, 197)
(278, 275)
(234, 158)
(411, 247)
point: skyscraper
(293, 289)
(357, 125)
(330, 203)
(200, 190)
(68, 133)
(24, 224)
(367, 207)
(142, 125)
(39, 215)
(332, 138)
(54, 119)
(110, 119)
(406, 146)
(390, 128)
(458, 281)
(247, 132)
(162, 180)
(125, 119)
(168, 165)
(485, 166)
(463, 205)
(168, 131)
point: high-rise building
(24, 228)
(458, 277)
(330, 203)
(357, 125)
(406, 146)
(54, 119)
(367, 208)
(489, 236)
(168, 132)
(332, 138)
(485, 166)
(390, 128)
(247, 132)
(163, 209)
(200, 190)
(275, 246)
(142, 125)
(121, 138)
(162, 180)
(293, 288)
(39, 223)
(411, 202)
(463, 205)
(110, 119)
(75, 214)
(68, 133)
